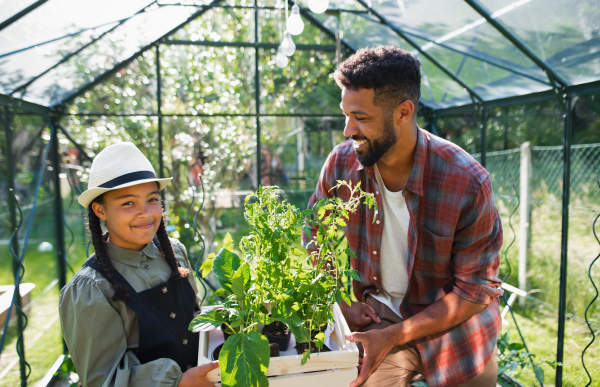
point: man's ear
(99, 210)
(404, 112)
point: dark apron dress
(164, 313)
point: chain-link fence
(548, 165)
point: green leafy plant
(512, 356)
(276, 281)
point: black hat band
(128, 178)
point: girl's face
(132, 215)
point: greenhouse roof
(474, 52)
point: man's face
(370, 127)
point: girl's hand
(196, 377)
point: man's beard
(375, 149)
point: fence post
(525, 215)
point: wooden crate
(335, 368)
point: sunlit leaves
(244, 361)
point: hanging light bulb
(294, 24)
(287, 45)
(318, 6)
(281, 60)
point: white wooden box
(332, 369)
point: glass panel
(220, 25)
(293, 151)
(11, 7)
(304, 86)
(57, 18)
(361, 32)
(208, 80)
(270, 30)
(19, 68)
(438, 89)
(116, 46)
(132, 90)
(465, 30)
(490, 82)
(223, 151)
(569, 43)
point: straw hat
(119, 166)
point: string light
(287, 45)
(281, 60)
(318, 6)
(295, 25)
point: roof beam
(302, 47)
(17, 103)
(574, 90)
(553, 75)
(104, 76)
(410, 41)
(20, 14)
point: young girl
(125, 314)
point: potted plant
(275, 282)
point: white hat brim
(86, 198)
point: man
(428, 295)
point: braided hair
(109, 270)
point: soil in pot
(302, 347)
(274, 348)
(217, 352)
(278, 333)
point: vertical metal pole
(483, 136)
(257, 94)
(58, 210)
(161, 167)
(562, 300)
(506, 123)
(8, 128)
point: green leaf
(350, 253)
(220, 293)
(244, 361)
(206, 321)
(228, 242)
(239, 279)
(207, 265)
(296, 251)
(353, 274)
(320, 340)
(516, 346)
(539, 373)
(225, 265)
(341, 222)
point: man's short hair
(392, 72)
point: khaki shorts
(404, 364)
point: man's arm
(442, 315)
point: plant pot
(278, 333)
(274, 348)
(302, 347)
(217, 352)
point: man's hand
(377, 346)
(196, 377)
(358, 315)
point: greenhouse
(227, 96)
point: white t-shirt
(394, 247)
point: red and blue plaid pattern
(454, 240)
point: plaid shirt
(454, 240)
